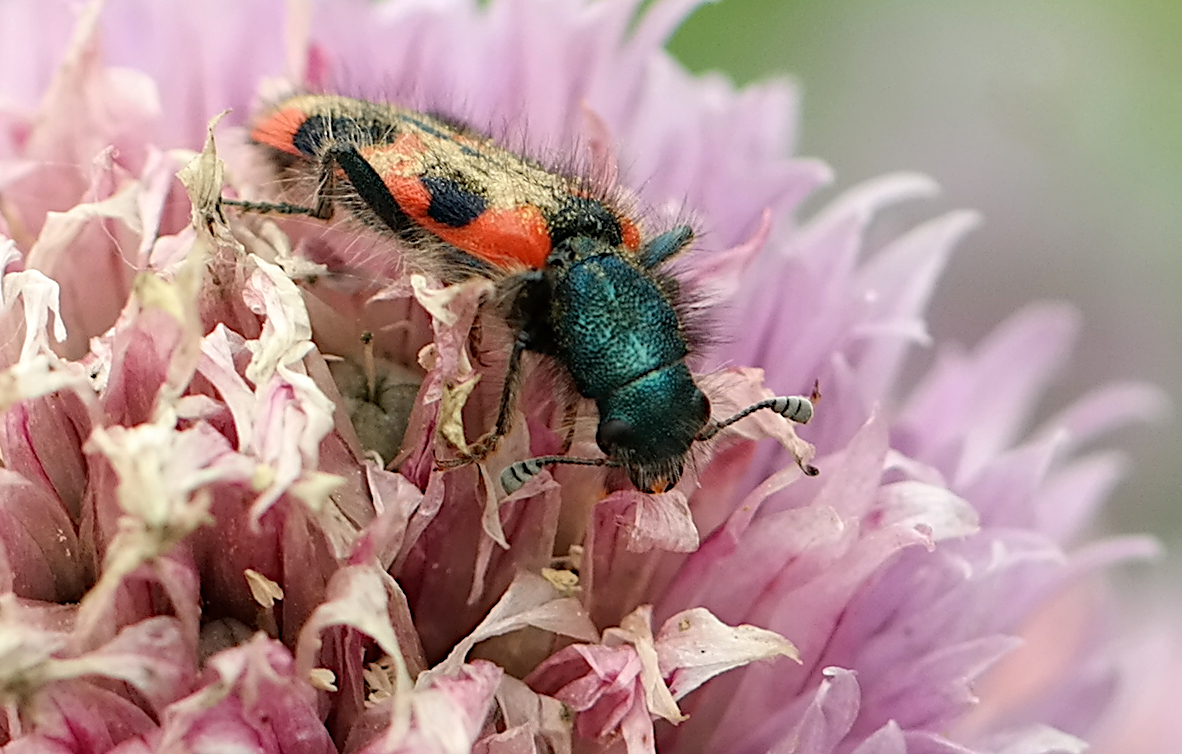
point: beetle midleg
(487, 444)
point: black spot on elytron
(319, 131)
(586, 218)
(310, 134)
(452, 204)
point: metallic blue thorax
(612, 325)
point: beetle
(579, 282)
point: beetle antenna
(517, 474)
(795, 408)
(269, 208)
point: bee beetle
(580, 284)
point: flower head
(216, 533)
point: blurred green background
(1060, 120)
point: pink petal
(784, 550)
(896, 286)
(888, 739)
(287, 333)
(142, 347)
(926, 742)
(941, 513)
(694, 646)
(39, 297)
(224, 64)
(636, 629)
(1108, 408)
(992, 391)
(578, 671)
(293, 418)
(529, 601)
(1036, 739)
(828, 717)
(218, 350)
(357, 598)
(448, 713)
(515, 740)
(150, 655)
(816, 278)
(39, 543)
(526, 713)
(252, 699)
(1072, 495)
(395, 500)
(722, 273)
(601, 683)
(937, 687)
(82, 717)
(660, 522)
(1004, 488)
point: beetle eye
(613, 433)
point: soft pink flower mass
(196, 552)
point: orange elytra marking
(412, 196)
(507, 238)
(279, 129)
(399, 165)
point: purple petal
(888, 739)
(988, 396)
